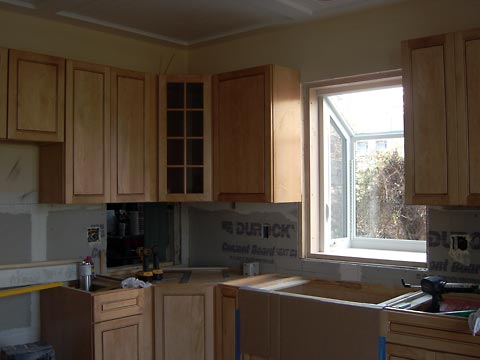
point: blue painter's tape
(237, 334)
(382, 344)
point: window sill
(368, 256)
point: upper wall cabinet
(36, 93)
(134, 141)
(257, 133)
(185, 152)
(467, 51)
(78, 171)
(442, 119)
(3, 92)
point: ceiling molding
(114, 26)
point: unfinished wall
(222, 236)
(32, 232)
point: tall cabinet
(441, 84)
(133, 136)
(185, 150)
(78, 171)
(3, 92)
(257, 132)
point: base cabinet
(110, 325)
(184, 322)
(414, 335)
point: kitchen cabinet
(104, 325)
(227, 344)
(134, 141)
(416, 335)
(256, 135)
(185, 151)
(467, 56)
(441, 77)
(78, 170)
(226, 310)
(3, 92)
(184, 327)
(36, 97)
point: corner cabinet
(185, 151)
(3, 92)
(442, 92)
(133, 137)
(78, 171)
(257, 135)
(36, 97)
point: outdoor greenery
(380, 205)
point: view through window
(361, 174)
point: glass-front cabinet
(185, 138)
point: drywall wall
(220, 235)
(362, 42)
(24, 32)
(32, 232)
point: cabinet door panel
(181, 341)
(444, 356)
(399, 352)
(242, 135)
(87, 133)
(3, 92)
(36, 97)
(133, 137)
(119, 339)
(430, 127)
(225, 322)
(184, 322)
(468, 100)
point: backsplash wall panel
(443, 223)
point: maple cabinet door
(87, 129)
(119, 339)
(399, 352)
(430, 121)
(226, 305)
(3, 92)
(242, 135)
(467, 52)
(36, 97)
(133, 137)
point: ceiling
(186, 22)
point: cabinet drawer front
(117, 305)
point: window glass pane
(175, 180)
(338, 179)
(194, 123)
(194, 180)
(371, 111)
(175, 123)
(195, 95)
(379, 194)
(175, 95)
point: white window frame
(411, 253)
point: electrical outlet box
(459, 241)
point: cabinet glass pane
(194, 152)
(194, 180)
(175, 180)
(195, 95)
(194, 123)
(175, 152)
(175, 123)
(175, 95)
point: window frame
(313, 245)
